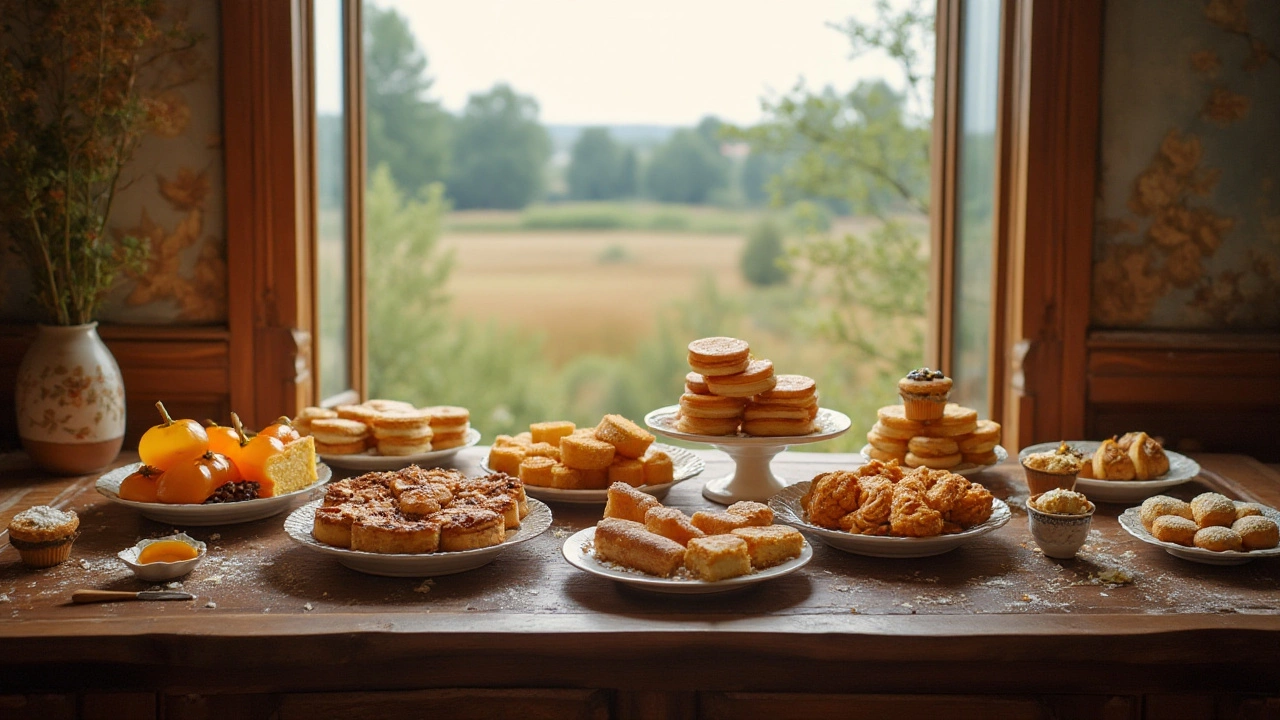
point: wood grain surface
(272, 615)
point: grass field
(587, 291)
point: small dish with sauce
(164, 558)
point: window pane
(979, 75)
(333, 359)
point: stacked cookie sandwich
(729, 390)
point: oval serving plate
(686, 465)
(369, 461)
(213, 514)
(577, 553)
(965, 469)
(1131, 521)
(1181, 470)
(787, 509)
(300, 522)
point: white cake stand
(752, 478)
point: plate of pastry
(419, 522)
(223, 509)
(964, 468)
(684, 465)
(371, 460)
(641, 543)
(1211, 529)
(966, 511)
(1150, 475)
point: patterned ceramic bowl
(1059, 536)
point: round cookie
(1257, 532)
(790, 387)
(696, 384)
(894, 417)
(711, 406)
(1218, 539)
(934, 463)
(892, 433)
(756, 379)
(1211, 509)
(714, 356)
(1159, 505)
(875, 453)
(1175, 529)
(928, 447)
(890, 445)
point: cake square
(717, 557)
(771, 545)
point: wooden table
(991, 628)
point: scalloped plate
(215, 514)
(300, 522)
(1181, 469)
(1131, 521)
(787, 509)
(687, 465)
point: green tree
(763, 254)
(405, 130)
(629, 174)
(758, 171)
(499, 151)
(595, 166)
(686, 169)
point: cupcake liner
(924, 409)
(1039, 481)
(46, 555)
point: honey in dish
(166, 551)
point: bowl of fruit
(190, 474)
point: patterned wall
(173, 197)
(1188, 214)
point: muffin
(1054, 469)
(924, 393)
(43, 535)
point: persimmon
(252, 460)
(223, 440)
(194, 481)
(282, 429)
(172, 442)
(140, 486)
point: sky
(663, 62)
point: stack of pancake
(958, 437)
(728, 390)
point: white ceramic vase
(70, 400)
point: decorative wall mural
(1188, 233)
(171, 195)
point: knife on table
(88, 596)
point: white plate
(1131, 520)
(787, 509)
(370, 460)
(831, 423)
(1181, 469)
(686, 465)
(577, 556)
(213, 514)
(300, 522)
(965, 469)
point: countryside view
(533, 266)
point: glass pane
(975, 194)
(333, 361)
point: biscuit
(627, 503)
(757, 514)
(790, 388)
(711, 406)
(626, 470)
(468, 528)
(348, 448)
(448, 418)
(446, 440)
(410, 419)
(893, 446)
(713, 356)
(707, 426)
(934, 463)
(778, 428)
(628, 543)
(551, 432)
(568, 478)
(1175, 529)
(1218, 539)
(630, 439)
(1159, 505)
(359, 413)
(770, 411)
(894, 417)
(757, 378)
(1257, 532)
(389, 405)
(535, 471)
(696, 384)
(585, 453)
(338, 431)
(771, 545)
(658, 468)
(315, 413)
(671, 523)
(399, 446)
(717, 557)
(1211, 509)
(420, 432)
(930, 447)
(718, 523)
(892, 433)
(875, 453)
(506, 459)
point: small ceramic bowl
(157, 571)
(1059, 536)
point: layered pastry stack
(420, 511)
(927, 431)
(385, 427)
(729, 391)
(638, 532)
(560, 455)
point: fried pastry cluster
(420, 511)
(883, 498)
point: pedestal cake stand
(752, 478)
